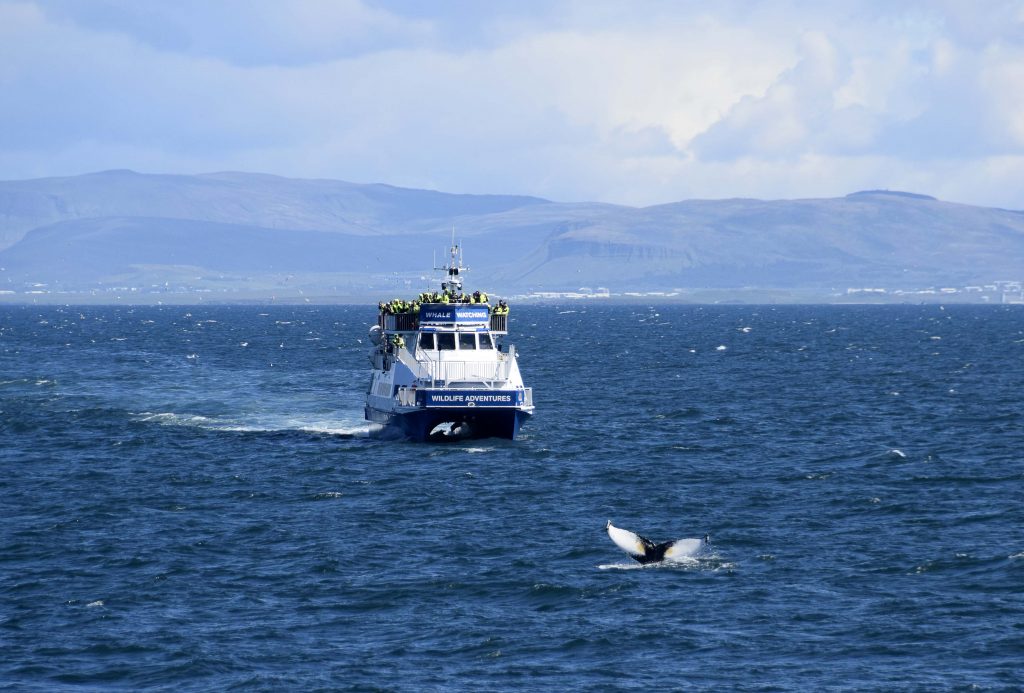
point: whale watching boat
(441, 367)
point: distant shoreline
(691, 297)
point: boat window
(445, 340)
(427, 340)
(467, 340)
(485, 340)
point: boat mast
(454, 268)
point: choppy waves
(228, 521)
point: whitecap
(721, 347)
(98, 602)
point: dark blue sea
(190, 500)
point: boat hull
(420, 425)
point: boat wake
(345, 428)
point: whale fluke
(644, 550)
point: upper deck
(445, 316)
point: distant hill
(250, 230)
(244, 199)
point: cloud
(636, 103)
(246, 33)
(897, 86)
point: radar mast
(454, 268)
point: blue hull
(476, 422)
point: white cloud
(246, 32)
(640, 103)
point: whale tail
(643, 550)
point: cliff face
(95, 228)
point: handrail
(488, 373)
(400, 322)
(499, 322)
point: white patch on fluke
(683, 549)
(626, 540)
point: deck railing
(499, 323)
(399, 322)
(489, 373)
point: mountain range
(260, 233)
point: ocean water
(190, 500)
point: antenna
(454, 268)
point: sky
(637, 103)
